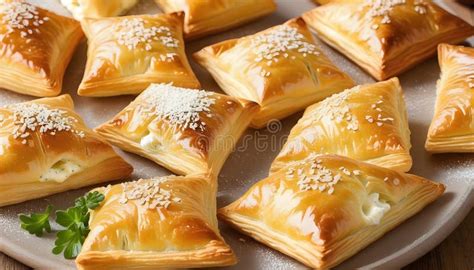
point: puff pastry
(204, 17)
(280, 68)
(386, 38)
(166, 222)
(81, 9)
(185, 130)
(36, 46)
(127, 54)
(367, 123)
(332, 206)
(45, 148)
(452, 128)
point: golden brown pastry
(45, 148)
(332, 207)
(367, 123)
(204, 17)
(166, 222)
(185, 130)
(452, 128)
(386, 38)
(127, 54)
(81, 9)
(35, 48)
(323, 2)
(280, 68)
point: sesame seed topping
(280, 41)
(23, 17)
(28, 118)
(180, 106)
(396, 181)
(148, 193)
(382, 9)
(336, 108)
(133, 33)
(314, 175)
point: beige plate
(251, 161)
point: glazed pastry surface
(127, 54)
(280, 68)
(35, 48)
(204, 17)
(45, 148)
(81, 9)
(332, 206)
(367, 123)
(452, 127)
(386, 38)
(185, 130)
(165, 222)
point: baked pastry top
(204, 17)
(36, 46)
(127, 54)
(185, 130)
(332, 207)
(280, 68)
(452, 128)
(81, 9)
(386, 38)
(45, 148)
(165, 222)
(368, 123)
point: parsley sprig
(74, 220)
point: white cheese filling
(150, 142)
(60, 171)
(374, 209)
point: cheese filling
(60, 171)
(374, 209)
(150, 142)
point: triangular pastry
(45, 148)
(367, 123)
(127, 54)
(325, 209)
(81, 9)
(452, 128)
(165, 222)
(185, 130)
(36, 46)
(387, 37)
(280, 68)
(208, 17)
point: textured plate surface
(252, 158)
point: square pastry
(204, 17)
(36, 46)
(166, 222)
(332, 207)
(280, 68)
(451, 129)
(81, 9)
(127, 54)
(386, 38)
(367, 123)
(185, 130)
(45, 148)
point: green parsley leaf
(90, 201)
(70, 241)
(36, 223)
(72, 216)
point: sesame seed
(22, 17)
(396, 181)
(180, 106)
(385, 179)
(383, 8)
(134, 33)
(280, 41)
(28, 118)
(148, 193)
